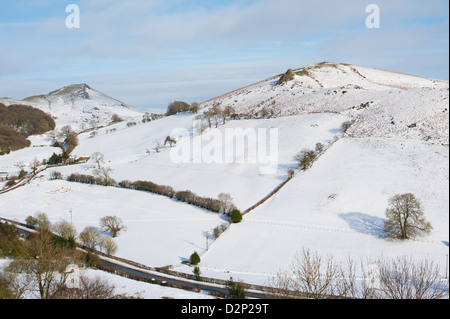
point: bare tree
(216, 113)
(93, 123)
(226, 203)
(64, 229)
(405, 218)
(39, 221)
(108, 245)
(34, 165)
(402, 278)
(21, 166)
(264, 112)
(319, 148)
(66, 131)
(82, 126)
(208, 115)
(103, 176)
(312, 276)
(305, 159)
(194, 107)
(43, 264)
(98, 158)
(200, 127)
(96, 288)
(157, 145)
(12, 285)
(308, 276)
(90, 237)
(112, 224)
(89, 288)
(170, 140)
(53, 135)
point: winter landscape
(303, 165)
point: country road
(137, 272)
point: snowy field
(337, 208)
(160, 231)
(125, 151)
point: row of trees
(102, 176)
(222, 204)
(311, 275)
(181, 107)
(17, 122)
(26, 119)
(90, 237)
(42, 263)
(209, 118)
(11, 140)
(216, 115)
(306, 157)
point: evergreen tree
(195, 258)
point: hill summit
(382, 103)
(78, 103)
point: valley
(397, 143)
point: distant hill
(78, 103)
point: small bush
(236, 216)
(80, 178)
(288, 76)
(197, 273)
(55, 159)
(116, 118)
(218, 230)
(54, 175)
(177, 107)
(346, 125)
(194, 259)
(11, 182)
(305, 159)
(31, 222)
(91, 260)
(236, 290)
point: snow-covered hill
(78, 103)
(398, 144)
(382, 103)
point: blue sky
(149, 53)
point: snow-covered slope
(76, 104)
(337, 207)
(398, 144)
(130, 151)
(382, 103)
